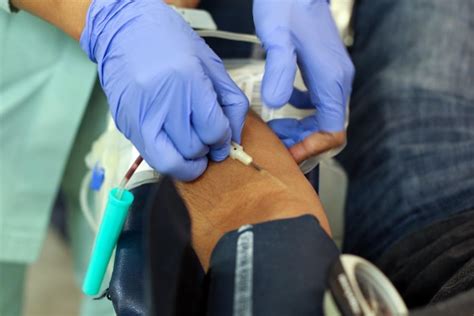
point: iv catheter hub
(237, 153)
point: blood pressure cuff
(274, 268)
(126, 289)
(156, 271)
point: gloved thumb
(279, 76)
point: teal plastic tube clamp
(109, 231)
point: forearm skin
(69, 16)
(230, 194)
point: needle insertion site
(237, 153)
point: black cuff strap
(274, 268)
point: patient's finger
(183, 3)
(316, 144)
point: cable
(83, 201)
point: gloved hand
(167, 90)
(303, 32)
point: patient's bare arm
(230, 194)
(70, 15)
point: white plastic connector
(237, 153)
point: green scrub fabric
(12, 275)
(47, 88)
(45, 85)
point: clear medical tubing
(231, 36)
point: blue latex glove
(167, 90)
(303, 32)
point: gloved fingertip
(275, 97)
(236, 115)
(301, 99)
(237, 132)
(237, 138)
(279, 76)
(331, 119)
(288, 142)
(286, 128)
(193, 170)
(219, 153)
